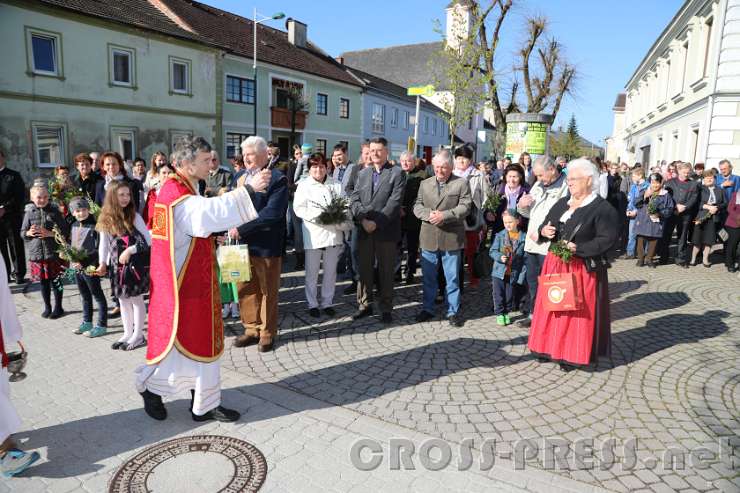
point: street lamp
(276, 16)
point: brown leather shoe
(264, 347)
(245, 340)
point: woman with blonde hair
(124, 250)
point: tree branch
(536, 26)
(564, 86)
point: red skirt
(577, 336)
(43, 270)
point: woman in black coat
(711, 205)
(583, 224)
(112, 163)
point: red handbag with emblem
(561, 292)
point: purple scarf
(511, 196)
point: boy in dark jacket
(38, 232)
(509, 272)
(84, 237)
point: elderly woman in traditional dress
(585, 222)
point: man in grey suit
(442, 204)
(376, 208)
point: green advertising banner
(536, 138)
(528, 137)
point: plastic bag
(233, 260)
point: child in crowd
(84, 237)
(124, 248)
(509, 272)
(163, 172)
(654, 206)
(41, 249)
(708, 221)
(637, 189)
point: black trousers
(682, 225)
(90, 288)
(412, 251)
(731, 256)
(11, 246)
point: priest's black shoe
(153, 405)
(219, 414)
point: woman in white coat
(321, 241)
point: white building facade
(683, 101)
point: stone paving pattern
(673, 382)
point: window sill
(699, 84)
(178, 93)
(678, 97)
(44, 74)
(239, 102)
(123, 86)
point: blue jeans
(534, 266)
(631, 239)
(450, 262)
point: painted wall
(85, 101)
(398, 136)
(238, 117)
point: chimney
(339, 59)
(296, 32)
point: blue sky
(606, 39)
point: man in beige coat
(442, 204)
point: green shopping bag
(233, 260)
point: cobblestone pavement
(671, 387)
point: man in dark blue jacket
(258, 298)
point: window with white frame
(48, 144)
(434, 126)
(180, 76)
(321, 146)
(406, 120)
(394, 118)
(44, 52)
(177, 135)
(233, 143)
(123, 141)
(322, 104)
(122, 66)
(426, 124)
(343, 108)
(707, 44)
(378, 116)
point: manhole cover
(205, 463)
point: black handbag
(482, 262)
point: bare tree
(546, 75)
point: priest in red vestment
(186, 333)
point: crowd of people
(154, 230)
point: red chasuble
(184, 310)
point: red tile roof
(206, 24)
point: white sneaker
(235, 310)
(225, 311)
(15, 461)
